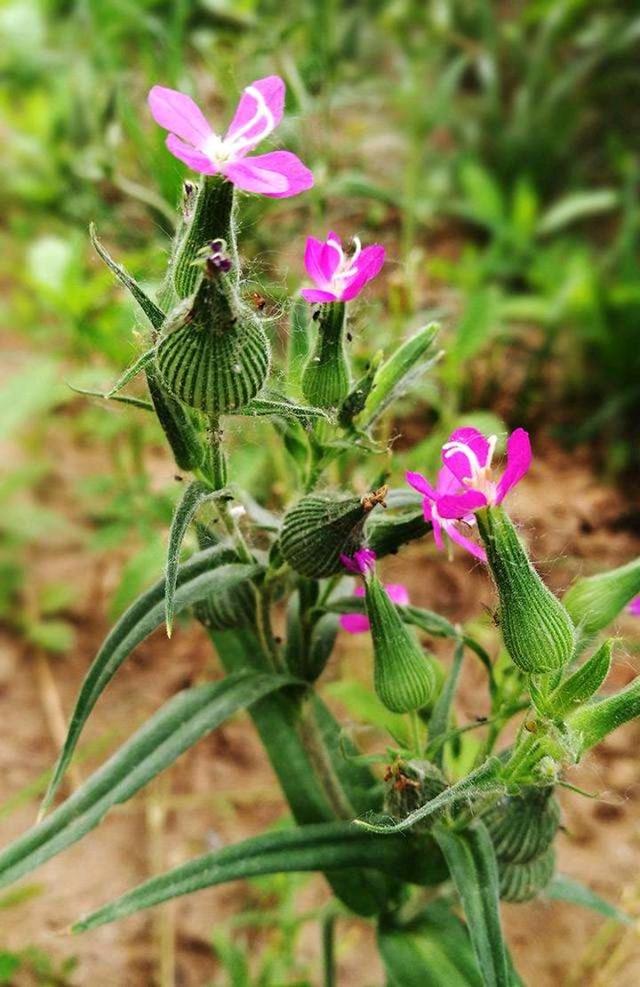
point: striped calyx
(403, 674)
(320, 528)
(537, 630)
(523, 826)
(410, 785)
(326, 378)
(208, 215)
(522, 882)
(214, 355)
(595, 601)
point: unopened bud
(522, 882)
(595, 601)
(582, 684)
(592, 723)
(523, 826)
(410, 785)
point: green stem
(415, 732)
(311, 737)
(328, 951)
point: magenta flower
(446, 485)
(361, 563)
(634, 607)
(191, 139)
(339, 278)
(468, 454)
(358, 623)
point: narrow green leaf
(325, 846)
(577, 206)
(398, 373)
(143, 361)
(441, 715)
(270, 407)
(193, 497)
(472, 863)
(196, 580)
(564, 888)
(186, 718)
(154, 314)
(581, 684)
(121, 398)
(433, 950)
(483, 781)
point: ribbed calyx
(522, 882)
(523, 826)
(215, 354)
(208, 215)
(326, 378)
(320, 528)
(410, 785)
(595, 601)
(403, 674)
(537, 630)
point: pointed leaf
(564, 888)
(186, 718)
(325, 846)
(472, 863)
(281, 408)
(143, 361)
(154, 314)
(196, 580)
(396, 376)
(193, 497)
(121, 398)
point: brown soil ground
(224, 790)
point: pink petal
(634, 607)
(354, 623)
(194, 159)
(278, 174)
(446, 483)
(359, 591)
(312, 260)
(397, 593)
(178, 113)
(518, 462)
(368, 264)
(331, 258)
(458, 462)
(251, 123)
(419, 483)
(457, 505)
(476, 550)
(315, 295)
(437, 534)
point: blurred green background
(493, 148)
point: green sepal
(154, 314)
(582, 684)
(403, 676)
(326, 377)
(536, 628)
(594, 722)
(401, 370)
(595, 601)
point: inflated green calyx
(536, 628)
(321, 527)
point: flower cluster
(277, 174)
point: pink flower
(634, 607)
(358, 623)
(446, 484)
(361, 563)
(468, 454)
(339, 278)
(191, 139)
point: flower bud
(523, 826)
(326, 378)
(410, 785)
(522, 882)
(403, 675)
(537, 630)
(320, 528)
(215, 354)
(595, 601)
(592, 723)
(582, 684)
